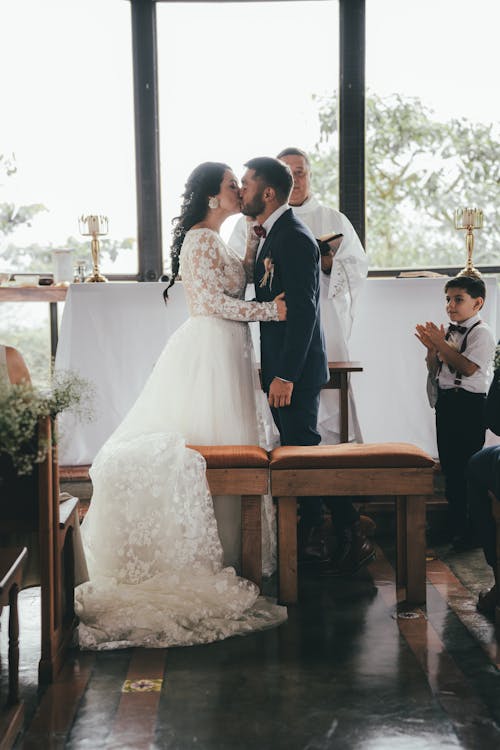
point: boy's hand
(431, 335)
(423, 337)
(435, 334)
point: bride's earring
(213, 203)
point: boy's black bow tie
(460, 329)
(259, 230)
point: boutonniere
(268, 273)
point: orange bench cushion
(350, 456)
(233, 456)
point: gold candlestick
(94, 226)
(469, 219)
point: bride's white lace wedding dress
(152, 540)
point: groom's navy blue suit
(294, 349)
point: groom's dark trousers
(297, 426)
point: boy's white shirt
(480, 349)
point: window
(238, 80)
(432, 130)
(67, 129)
(66, 147)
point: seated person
(483, 475)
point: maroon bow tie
(260, 230)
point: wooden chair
(400, 470)
(35, 510)
(241, 470)
(11, 570)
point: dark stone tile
(341, 673)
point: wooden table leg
(251, 538)
(287, 550)
(54, 329)
(344, 407)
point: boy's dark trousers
(461, 429)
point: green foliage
(34, 257)
(496, 362)
(418, 171)
(12, 216)
(38, 258)
(22, 405)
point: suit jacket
(293, 349)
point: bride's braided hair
(203, 182)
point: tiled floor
(348, 670)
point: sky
(235, 80)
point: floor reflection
(352, 668)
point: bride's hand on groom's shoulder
(281, 306)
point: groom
(293, 354)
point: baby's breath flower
(22, 405)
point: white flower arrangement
(22, 405)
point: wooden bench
(11, 571)
(364, 470)
(35, 514)
(241, 470)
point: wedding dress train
(159, 575)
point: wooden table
(11, 571)
(50, 294)
(339, 379)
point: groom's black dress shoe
(311, 545)
(354, 551)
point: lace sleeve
(252, 243)
(203, 277)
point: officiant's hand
(281, 305)
(280, 393)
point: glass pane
(433, 127)
(67, 129)
(239, 80)
(25, 325)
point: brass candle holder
(469, 219)
(94, 226)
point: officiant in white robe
(340, 289)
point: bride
(159, 575)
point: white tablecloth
(112, 334)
